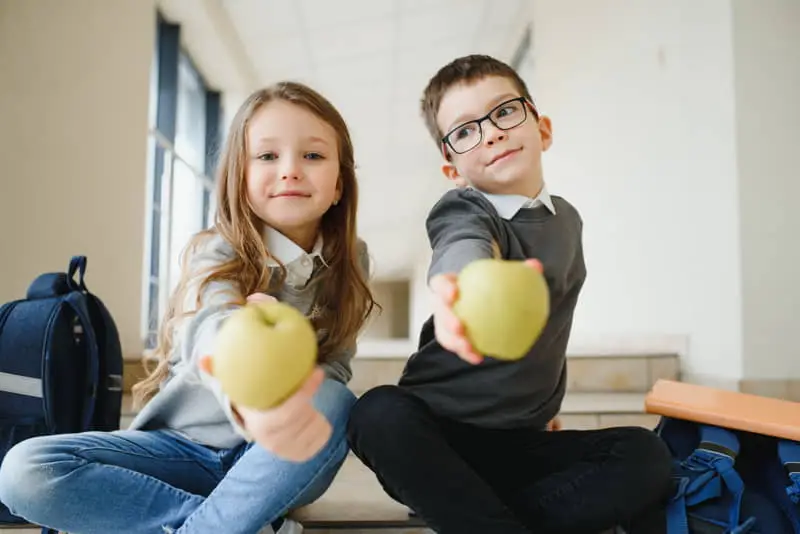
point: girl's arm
(196, 334)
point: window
(183, 137)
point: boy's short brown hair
(466, 69)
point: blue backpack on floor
(731, 481)
(60, 363)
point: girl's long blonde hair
(342, 289)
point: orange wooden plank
(729, 409)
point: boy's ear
(451, 173)
(449, 170)
(546, 132)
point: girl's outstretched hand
(294, 430)
(261, 297)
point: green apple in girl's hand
(264, 353)
(503, 305)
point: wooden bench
(729, 409)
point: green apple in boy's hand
(264, 353)
(503, 306)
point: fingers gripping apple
(264, 353)
(503, 305)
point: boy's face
(504, 161)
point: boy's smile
(504, 161)
(504, 156)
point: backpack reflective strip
(21, 385)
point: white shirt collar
(299, 263)
(508, 205)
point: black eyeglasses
(505, 116)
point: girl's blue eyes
(271, 156)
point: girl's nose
(291, 169)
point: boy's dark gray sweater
(462, 227)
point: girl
(191, 462)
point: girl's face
(292, 171)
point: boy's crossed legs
(462, 479)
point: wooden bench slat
(729, 409)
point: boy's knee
(650, 444)
(24, 474)
(651, 456)
(381, 408)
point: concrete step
(580, 411)
(585, 373)
(588, 411)
(627, 363)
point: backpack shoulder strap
(76, 301)
(708, 473)
(789, 453)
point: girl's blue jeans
(160, 482)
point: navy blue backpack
(60, 363)
(731, 481)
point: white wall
(421, 304)
(642, 102)
(392, 321)
(767, 65)
(73, 142)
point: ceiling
(372, 59)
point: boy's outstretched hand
(555, 424)
(450, 331)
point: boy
(463, 440)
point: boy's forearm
(460, 231)
(458, 254)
